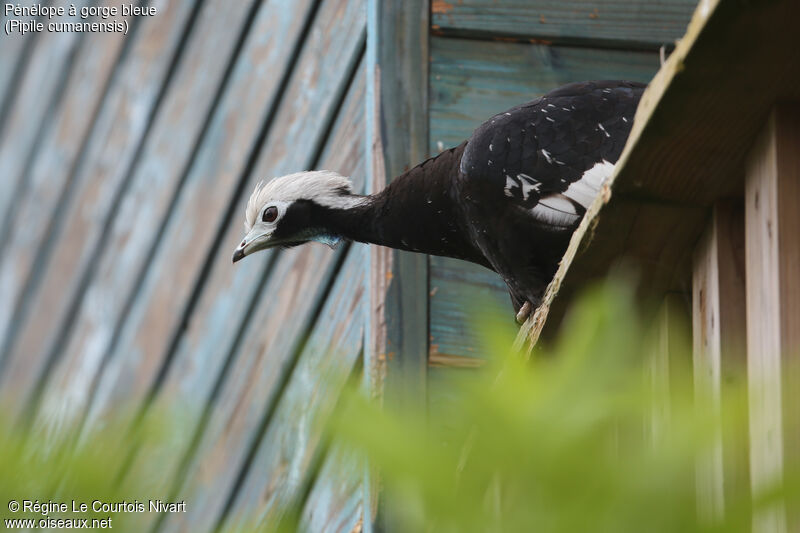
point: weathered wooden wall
(126, 163)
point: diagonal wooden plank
(39, 90)
(190, 97)
(111, 150)
(15, 52)
(265, 354)
(639, 23)
(280, 468)
(335, 501)
(37, 208)
(225, 303)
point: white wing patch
(560, 210)
(585, 189)
(554, 216)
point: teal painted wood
(458, 289)
(136, 224)
(645, 23)
(39, 87)
(36, 209)
(335, 502)
(279, 472)
(295, 284)
(307, 106)
(251, 386)
(227, 295)
(468, 85)
(397, 138)
(397, 52)
(111, 150)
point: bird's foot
(524, 312)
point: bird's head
(288, 210)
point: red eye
(270, 214)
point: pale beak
(252, 242)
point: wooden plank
(397, 138)
(468, 85)
(458, 290)
(669, 334)
(334, 503)
(397, 127)
(160, 303)
(279, 471)
(40, 202)
(772, 193)
(718, 331)
(111, 150)
(251, 385)
(38, 90)
(50, 61)
(643, 23)
(226, 300)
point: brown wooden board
(36, 215)
(690, 135)
(719, 355)
(279, 470)
(469, 85)
(232, 294)
(111, 150)
(772, 265)
(628, 23)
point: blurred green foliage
(585, 436)
(46, 464)
(577, 439)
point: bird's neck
(418, 211)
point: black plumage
(508, 198)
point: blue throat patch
(331, 240)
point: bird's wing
(551, 155)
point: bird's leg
(524, 312)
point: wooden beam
(397, 137)
(772, 194)
(718, 332)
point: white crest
(324, 187)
